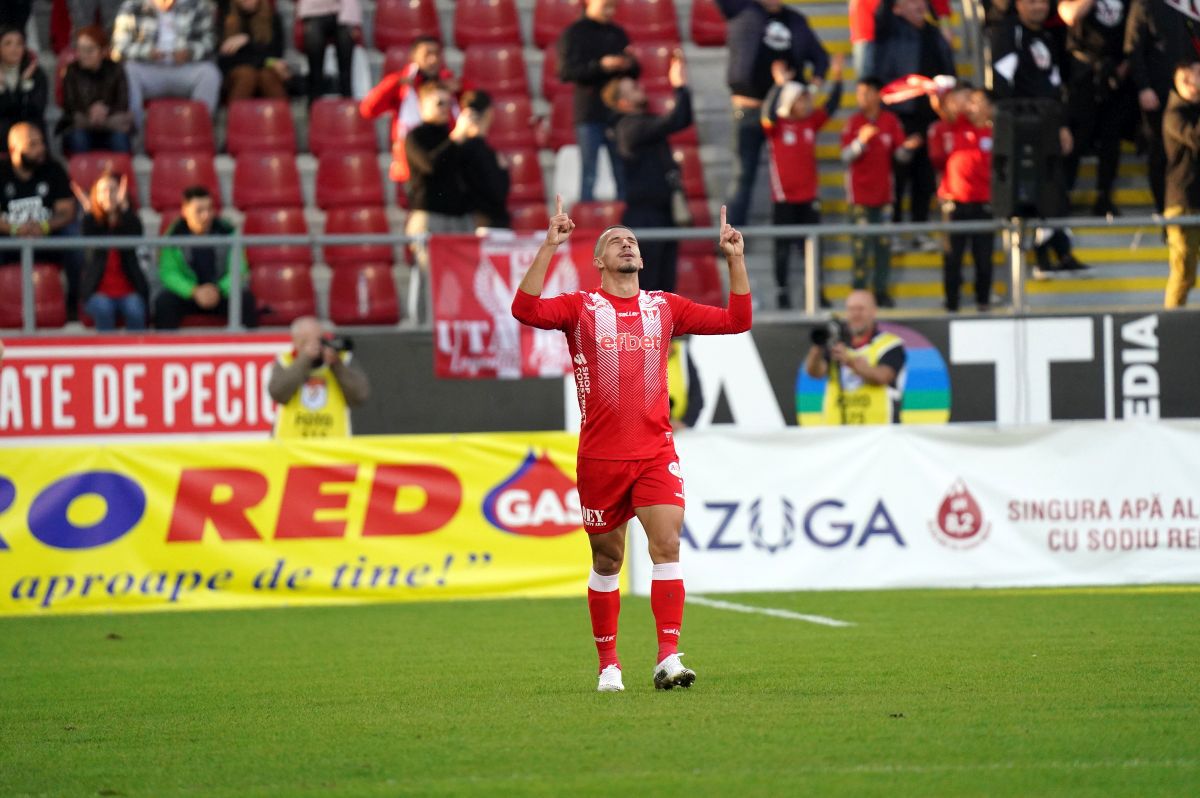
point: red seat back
(349, 179)
(486, 22)
(364, 293)
(513, 125)
(283, 293)
(398, 23)
(260, 126)
(49, 302)
(708, 24)
(495, 68)
(648, 20)
(86, 168)
(598, 214)
(267, 180)
(277, 222)
(174, 125)
(349, 221)
(334, 125)
(562, 121)
(700, 218)
(697, 278)
(551, 85)
(525, 176)
(654, 59)
(172, 172)
(549, 19)
(529, 217)
(687, 158)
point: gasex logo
(827, 524)
(959, 523)
(538, 500)
(627, 342)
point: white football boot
(610, 680)
(671, 673)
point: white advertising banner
(1084, 503)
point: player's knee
(607, 562)
(665, 550)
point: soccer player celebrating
(619, 337)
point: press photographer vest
(860, 402)
(318, 409)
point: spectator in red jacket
(397, 94)
(871, 140)
(960, 146)
(791, 125)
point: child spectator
(960, 146)
(95, 114)
(791, 127)
(870, 141)
(112, 281)
(23, 91)
(251, 52)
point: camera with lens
(339, 344)
(829, 333)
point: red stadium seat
(349, 179)
(697, 278)
(664, 103)
(179, 126)
(364, 293)
(350, 221)
(495, 68)
(551, 85)
(529, 217)
(398, 23)
(598, 214)
(700, 218)
(334, 125)
(267, 180)
(708, 24)
(260, 126)
(688, 159)
(486, 22)
(283, 293)
(648, 20)
(172, 172)
(549, 19)
(562, 122)
(86, 167)
(513, 125)
(49, 302)
(277, 222)
(654, 58)
(525, 176)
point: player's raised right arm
(528, 307)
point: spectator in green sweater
(195, 279)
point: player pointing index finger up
(619, 337)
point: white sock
(666, 570)
(604, 584)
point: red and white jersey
(793, 146)
(869, 178)
(619, 349)
(962, 152)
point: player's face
(621, 253)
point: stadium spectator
(325, 21)
(592, 51)
(1027, 63)
(437, 196)
(251, 52)
(88, 13)
(1181, 139)
(315, 383)
(791, 125)
(487, 180)
(23, 87)
(960, 146)
(651, 175)
(762, 32)
(1157, 37)
(862, 36)
(865, 367)
(166, 47)
(1099, 94)
(36, 202)
(397, 94)
(112, 282)
(95, 113)
(907, 44)
(196, 279)
(871, 139)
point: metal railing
(1019, 231)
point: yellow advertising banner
(266, 523)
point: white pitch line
(774, 613)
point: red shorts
(609, 490)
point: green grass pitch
(931, 693)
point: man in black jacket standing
(761, 32)
(650, 170)
(591, 52)
(1181, 140)
(437, 197)
(486, 180)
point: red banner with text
(161, 385)
(474, 281)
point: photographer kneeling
(867, 385)
(315, 384)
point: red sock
(604, 605)
(666, 602)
